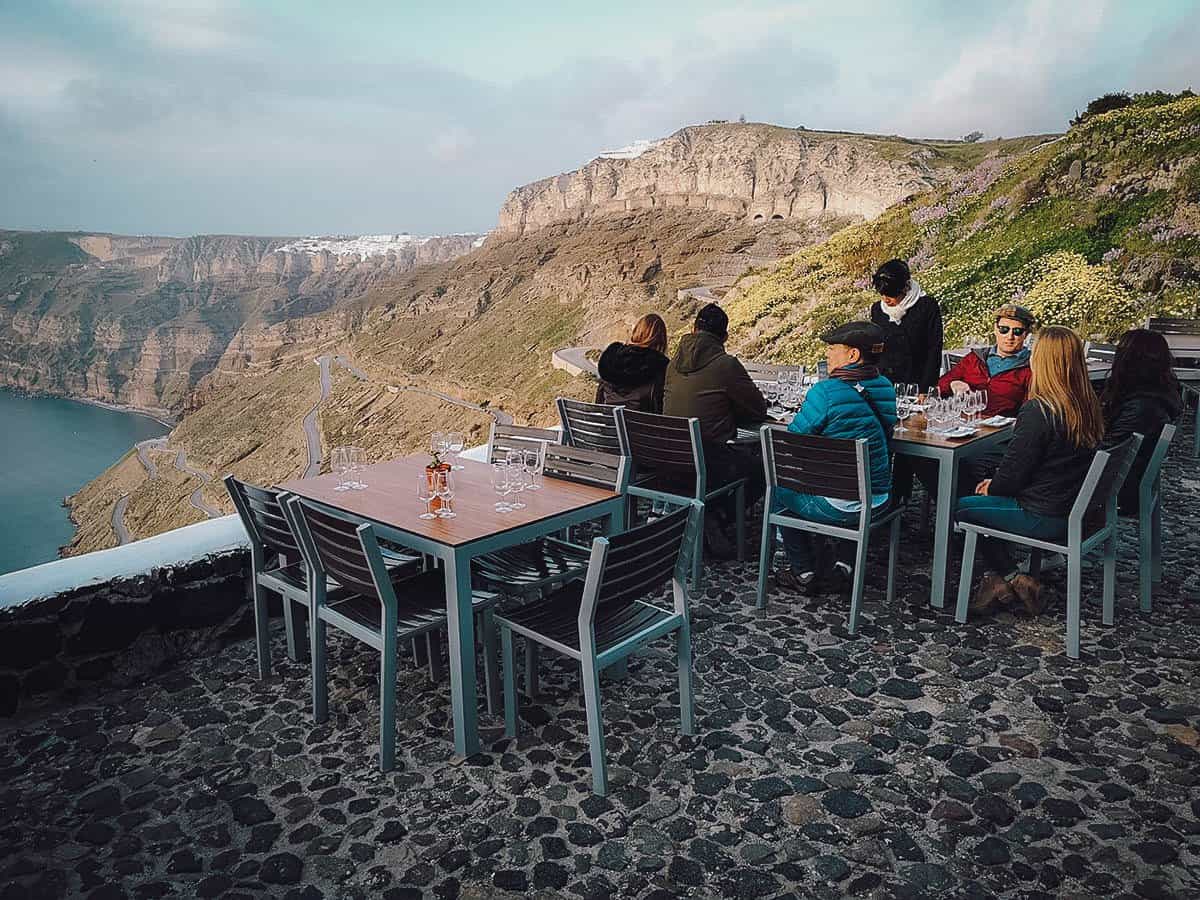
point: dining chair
(1091, 523)
(589, 425)
(503, 438)
(602, 619)
(1150, 518)
(825, 467)
(369, 606)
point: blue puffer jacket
(835, 409)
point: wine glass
(356, 461)
(500, 486)
(339, 465)
(455, 442)
(903, 409)
(425, 493)
(518, 478)
(437, 444)
(443, 487)
(533, 463)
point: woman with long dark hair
(632, 374)
(1054, 439)
(1142, 395)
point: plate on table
(998, 421)
(958, 431)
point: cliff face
(756, 172)
(141, 320)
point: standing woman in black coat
(1141, 395)
(912, 327)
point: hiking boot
(716, 544)
(1029, 591)
(993, 591)
(840, 579)
(790, 580)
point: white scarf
(896, 313)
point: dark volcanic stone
(251, 811)
(686, 871)
(991, 851)
(830, 868)
(846, 804)
(901, 689)
(281, 868)
(966, 764)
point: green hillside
(1096, 230)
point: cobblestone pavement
(920, 759)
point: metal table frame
(948, 460)
(460, 626)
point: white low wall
(171, 548)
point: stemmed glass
(500, 486)
(455, 442)
(437, 444)
(356, 461)
(534, 461)
(425, 493)
(443, 488)
(339, 464)
(906, 399)
(517, 477)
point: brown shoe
(992, 591)
(1029, 591)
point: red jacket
(1006, 392)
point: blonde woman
(1056, 434)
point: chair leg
(926, 511)
(860, 580)
(387, 706)
(683, 644)
(491, 674)
(420, 657)
(765, 553)
(1156, 531)
(1035, 562)
(509, 673)
(531, 669)
(433, 647)
(739, 499)
(320, 689)
(698, 558)
(964, 578)
(1145, 558)
(1074, 576)
(893, 555)
(1110, 577)
(289, 627)
(591, 702)
(262, 627)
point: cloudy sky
(291, 117)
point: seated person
(632, 374)
(1002, 371)
(1056, 434)
(706, 383)
(854, 402)
(1141, 395)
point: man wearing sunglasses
(1002, 370)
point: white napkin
(998, 421)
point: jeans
(1005, 514)
(801, 546)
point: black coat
(912, 352)
(632, 376)
(1145, 412)
(1041, 468)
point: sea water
(49, 448)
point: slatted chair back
(628, 566)
(811, 464)
(263, 517)
(504, 438)
(1103, 353)
(1183, 337)
(589, 425)
(334, 547)
(662, 445)
(584, 466)
(1098, 495)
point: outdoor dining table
(389, 501)
(950, 453)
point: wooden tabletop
(390, 498)
(916, 434)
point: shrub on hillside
(1121, 100)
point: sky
(290, 117)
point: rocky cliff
(141, 320)
(755, 172)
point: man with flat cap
(854, 402)
(705, 382)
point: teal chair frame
(656, 443)
(591, 426)
(1150, 518)
(827, 467)
(361, 572)
(1099, 491)
(621, 570)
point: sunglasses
(1017, 330)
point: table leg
(947, 485)
(460, 628)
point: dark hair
(1142, 361)
(713, 320)
(892, 278)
